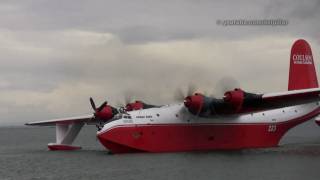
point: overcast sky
(56, 54)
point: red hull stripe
(191, 137)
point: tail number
(272, 128)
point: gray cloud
(159, 20)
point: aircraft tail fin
(302, 73)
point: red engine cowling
(134, 106)
(105, 113)
(235, 98)
(194, 103)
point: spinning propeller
(197, 103)
(180, 94)
(226, 84)
(104, 112)
(130, 105)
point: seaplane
(238, 120)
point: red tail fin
(302, 73)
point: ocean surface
(24, 155)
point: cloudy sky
(56, 54)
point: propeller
(104, 111)
(127, 98)
(180, 94)
(194, 103)
(93, 105)
(191, 89)
(129, 104)
(102, 106)
(225, 84)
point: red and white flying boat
(236, 121)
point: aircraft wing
(290, 98)
(63, 121)
(238, 101)
(67, 130)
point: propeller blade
(205, 93)
(226, 84)
(127, 98)
(102, 106)
(179, 95)
(93, 105)
(119, 104)
(191, 89)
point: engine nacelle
(235, 98)
(234, 101)
(106, 113)
(137, 105)
(194, 103)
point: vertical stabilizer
(302, 73)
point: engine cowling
(194, 103)
(137, 105)
(106, 113)
(235, 98)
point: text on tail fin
(302, 73)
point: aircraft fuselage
(171, 128)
